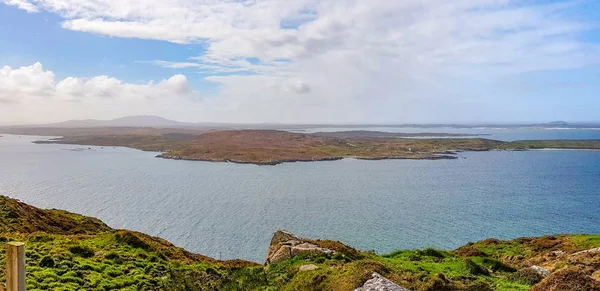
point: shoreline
(446, 156)
(266, 163)
(565, 149)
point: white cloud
(174, 65)
(297, 86)
(461, 32)
(25, 82)
(21, 4)
(33, 92)
(344, 60)
(33, 82)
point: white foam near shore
(572, 128)
(552, 149)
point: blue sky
(38, 37)
(300, 61)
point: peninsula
(271, 147)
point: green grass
(584, 241)
(497, 248)
(105, 262)
(552, 144)
(115, 264)
(125, 261)
(65, 251)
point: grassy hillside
(268, 147)
(66, 251)
(553, 144)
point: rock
(282, 235)
(285, 245)
(540, 271)
(307, 268)
(590, 251)
(379, 283)
(557, 253)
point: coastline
(445, 156)
(258, 163)
(558, 149)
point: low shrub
(475, 269)
(498, 266)
(131, 240)
(111, 256)
(479, 286)
(438, 283)
(41, 238)
(81, 251)
(431, 253)
(526, 276)
(71, 279)
(47, 262)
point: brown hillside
(16, 216)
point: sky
(300, 61)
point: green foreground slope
(67, 251)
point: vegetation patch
(271, 147)
(132, 240)
(497, 266)
(475, 269)
(83, 252)
(47, 262)
(526, 276)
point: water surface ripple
(232, 209)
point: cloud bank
(334, 61)
(31, 93)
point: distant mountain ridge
(160, 122)
(128, 121)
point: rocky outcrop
(308, 267)
(540, 271)
(380, 283)
(285, 245)
(590, 251)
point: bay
(230, 211)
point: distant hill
(558, 123)
(146, 121)
(128, 121)
(160, 122)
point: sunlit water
(504, 134)
(230, 210)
